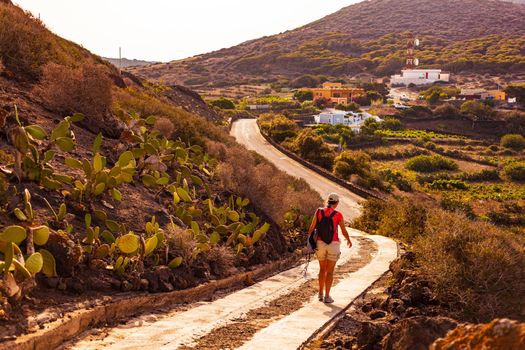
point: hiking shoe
(328, 300)
(321, 297)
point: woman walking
(325, 226)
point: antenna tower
(412, 43)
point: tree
(312, 147)
(433, 98)
(477, 110)
(370, 126)
(223, 103)
(303, 95)
(322, 102)
(349, 163)
(282, 128)
(447, 110)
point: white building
(352, 119)
(419, 77)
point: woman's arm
(345, 232)
(313, 224)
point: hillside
(368, 37)
(110, 183)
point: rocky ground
(400, 312)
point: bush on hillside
(515, 171)
(85, 90)
(447, 111)
(223, 103)
(477, 110)
(350, 163)
(312, 148)
(303, 95)
(24, 42)
(515, 123)
(513, 141)
(392, 123)
(270, 190)
(429, 164)
(474, 267)
(278, 126)
(388, 218)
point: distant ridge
(367, 37)
(126, 63)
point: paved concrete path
(295, 329)
(182, 328)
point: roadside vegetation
(474, 267)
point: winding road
(224, 320)
(247, 133)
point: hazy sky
(171, 29)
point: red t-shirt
(337, 219)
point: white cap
(333, 198)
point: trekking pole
(305, 270)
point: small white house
(419, 77)
(352, 119)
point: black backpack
(325, 227)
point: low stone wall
(363, 192)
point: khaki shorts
(330, 251)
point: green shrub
(451, 204)
(397, 179)
(404, 220)
(303, 95)
(311, 147)
(448, 185)
(430, 145)
(477, 110)
(278, 126)
(428, 164)
(515, 171)
(483, 175)
(513, 141)
(352, 163)
(223, 103)
(391, 123)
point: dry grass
(85, 90)
(181, 241)
(24, 42)
(474, 267)
(26, 45)
(269, 189)
(165, 127)
(221, 261)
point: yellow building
(496, 95)
(338, 93)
